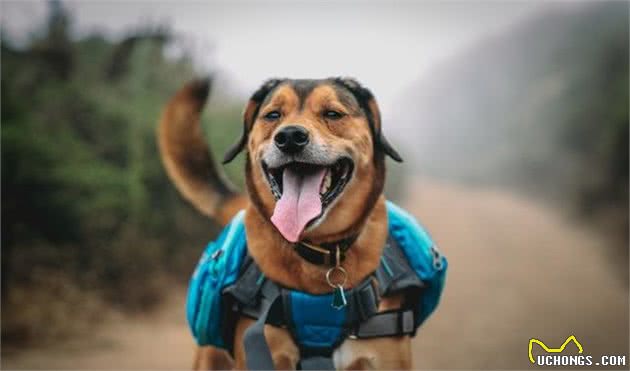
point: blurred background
(512, 118)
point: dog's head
(316, 155)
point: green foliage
(84, 194)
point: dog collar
(326, 253)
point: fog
(385, 44)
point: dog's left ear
(368, 103)
(249, 116)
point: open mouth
(335, 178)
(303, 191)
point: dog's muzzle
(304, 177)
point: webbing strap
(257, 353)
(247, 288)
(394, 273)
(316, 363)
(258, 296)
(396, 323)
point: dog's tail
(187, 158)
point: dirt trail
(517, 270)
(158, 341)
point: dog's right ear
(249, 116)
(366, 100)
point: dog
(315, 171)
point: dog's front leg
(211, 358)
(387, 353)
(284, 352)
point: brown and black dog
(315, 171)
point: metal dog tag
(339, 298)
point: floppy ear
(249, 116)
(368, 103)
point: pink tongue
(300, 202)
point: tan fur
(282, 264)
(387, 353)
(284, 352)
(187, 159)
(359, 210)
(353, 135)
(211, 358)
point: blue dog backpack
(227, 284)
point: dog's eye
(272, 116)
(332, 115)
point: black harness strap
(394, 323)
(262, 299)
(316, 363)
(362, 302)
(258, 355)
(394, 273)
(247, 288)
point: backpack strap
(259, 298)
(255, 296)
(384, 324)
(252, 293)
(254, 342)
(394, 273)
(316, 363)
(247, 287)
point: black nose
(291, 139)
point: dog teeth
(326, 183)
